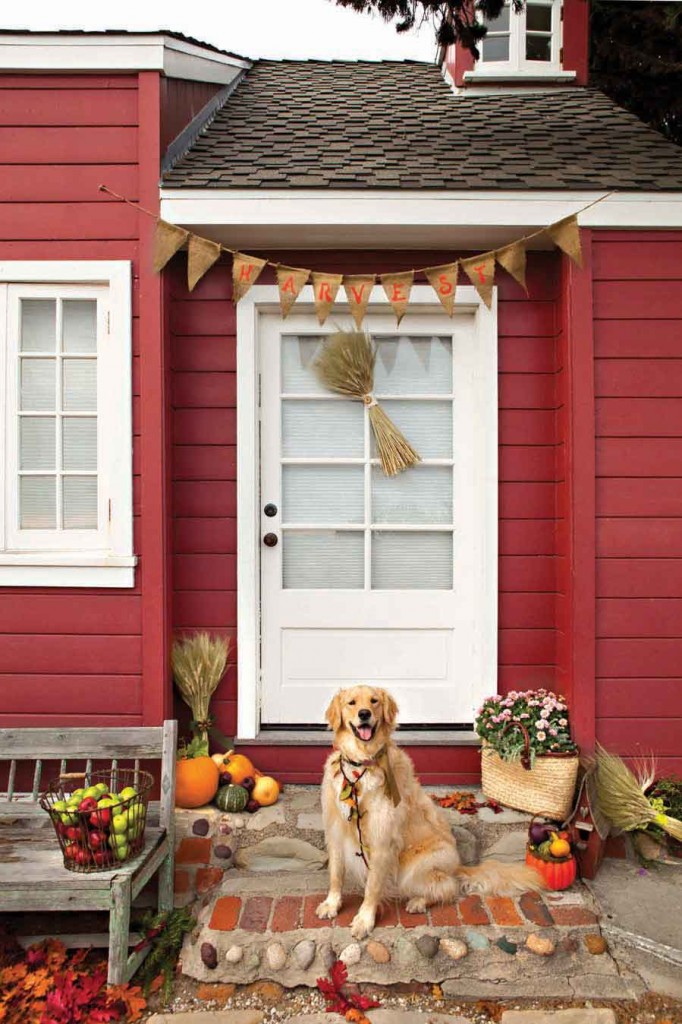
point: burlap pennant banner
(201, 255)
(290, 281)
(443, 280)
(245, 272)
(325, 288)
(358, 290)
(513, 259)
(481, 272)
(566, 234)
(167, 240)
(398, 288)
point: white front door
(373, 578)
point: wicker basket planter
(547, 788)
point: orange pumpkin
(239, 767)
(558, 874)
(266, 791)
(196, 781)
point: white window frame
(518, 64)
(264, 299)
(72, 558)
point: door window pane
(298, 357)
(80, 385)
(38, 325)
(79, 442)
(422, 494)
(37, 502)
(37, 442)
(426, 425)
(327, 560)
(79, 325)
(323, 429)
(38, 385)
(411, 561)
(323, 494)
(413, 366)
(79, 502)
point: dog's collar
(370, 762)
(380, 760)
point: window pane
(495, 48)
(38, 385)
(37, 442)
(38, 325)
(80, 385)
(538, 48)
(501, 23)
(37, 503)
(298, 356)
(323, 494)
(328, 560)
(426, 425)
(422, 494)
(79, 443)
(318, 428)
(413, 366)
(411, 561)
(538, 18)
(79, 325)
(79, 505)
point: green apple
(119, 823)
(77, 795)
(128, 793)
(135, 831)
(116, 840)
(59, 805)
(91, 791)
(102, 788)
(106, 801)
(69, 819)
(136, 813)
(122, 852)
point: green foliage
(165, 932)
(542, 714)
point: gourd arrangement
(241, 787)
(549, 852)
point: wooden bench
(32, 872)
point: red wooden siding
(180, 102)
(638, 388)
(204, 489)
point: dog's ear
(389, 708)
(333, 713)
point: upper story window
(527, 41)
(65, 442)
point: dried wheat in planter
(623, 800)
(346, 365)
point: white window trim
(518, 65)
(264, 299)
(105, 566)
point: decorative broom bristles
(346, 365)
(622, 800)
(199, 664)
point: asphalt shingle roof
(397, 124)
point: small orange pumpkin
(239, 767)
(266, 791)
(196, 781)
(558, 874)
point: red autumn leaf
(364, 1002)
(326, 987)
(338, 974)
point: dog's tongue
(365, 732)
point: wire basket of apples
(549, 851)
(101, 823)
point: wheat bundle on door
(346, 365)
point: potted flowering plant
(529, 760)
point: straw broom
(622, 798)
(199, 663)
(346, 365)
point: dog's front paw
(363, 923)
(417, 905)
(329, 908)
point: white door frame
(264, 299)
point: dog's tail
(492, 876)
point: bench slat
(11, 779)
(51, 744)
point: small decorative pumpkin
(266, 791)
(558, 874)
(232, 798)
(196, 781)
(239, 767)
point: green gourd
(232, 798)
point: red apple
(96, 839)
(101, 857)
(71, 851)
(82, 857)
(73, 833)
(89, 804)
(100, 818)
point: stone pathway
(581, 1015)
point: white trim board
(264, 299)
(369, 218)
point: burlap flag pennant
(290, 280)
(325, 288)
(481, 272)
(358, 288)
(202, 254)
(566, 234)
(443, 280)
(398, 288)
(245, 272)
(167, 240)
(513, 258)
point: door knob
(270, 540)
(270, 510)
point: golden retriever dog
(382, 829)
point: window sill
(518, 75)
(39, 569)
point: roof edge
(183, 142)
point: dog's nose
(364, 715)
